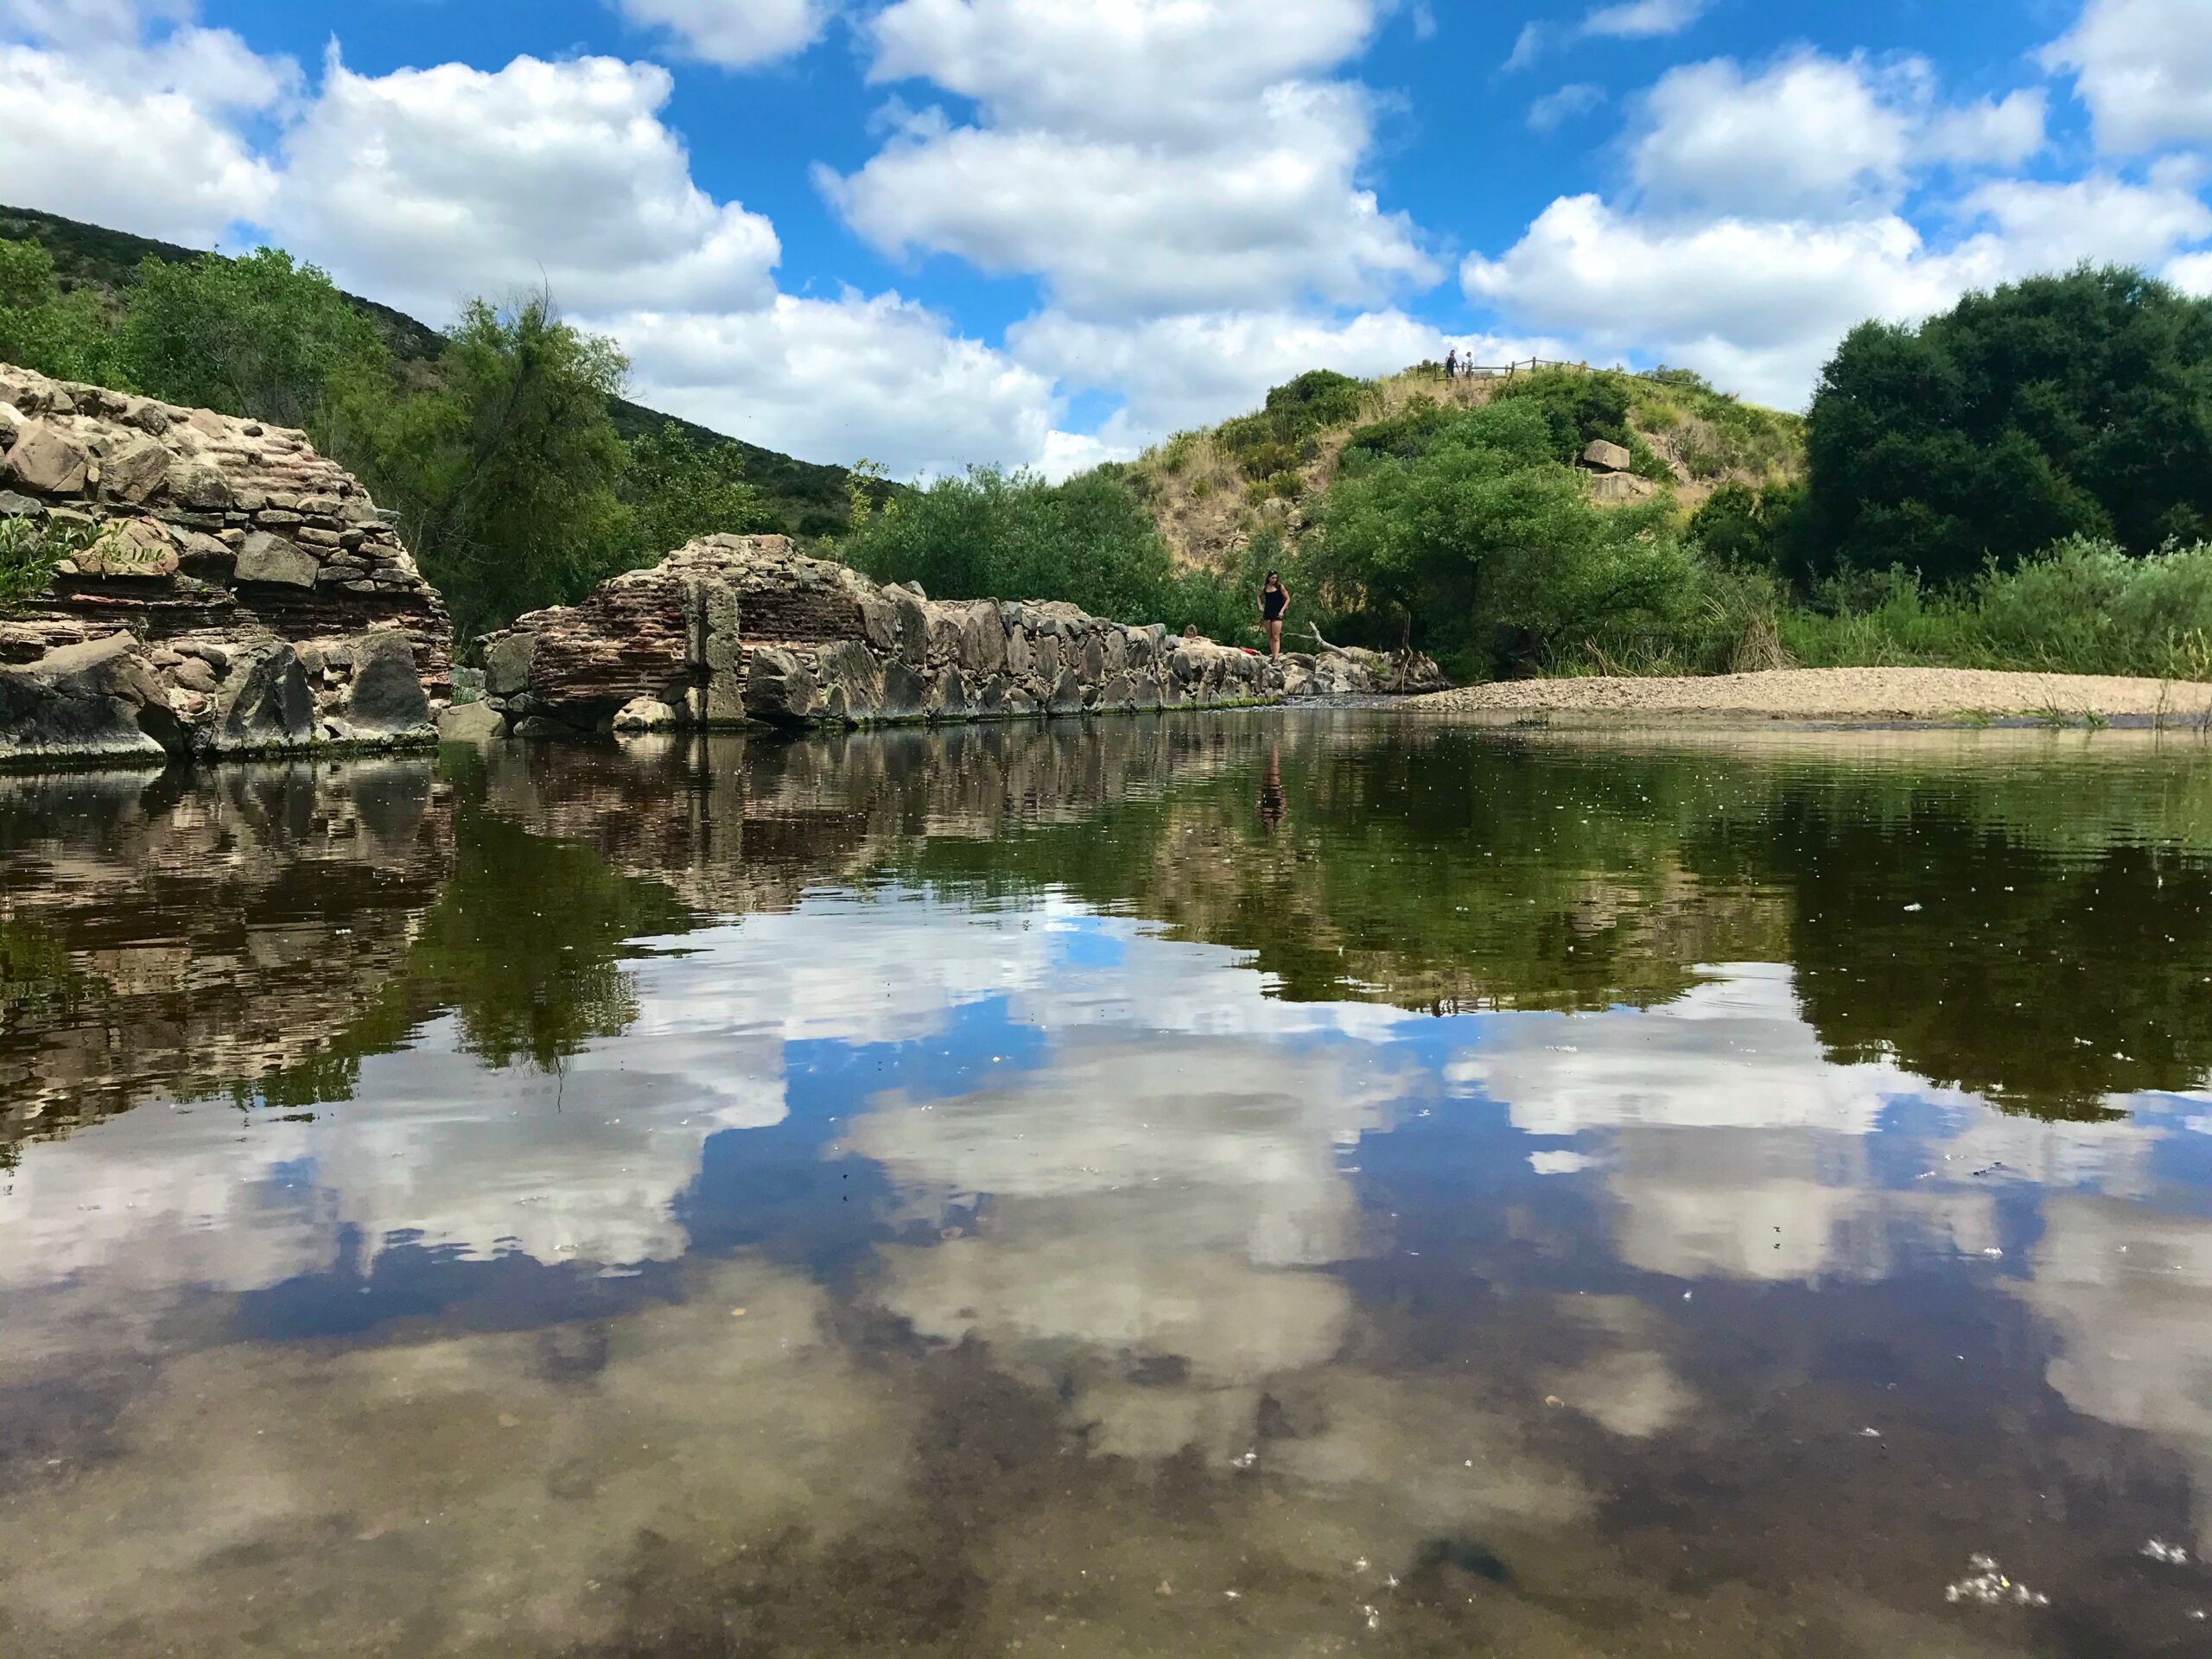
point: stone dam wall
(218, 589)
(732, 630)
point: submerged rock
(471, 722)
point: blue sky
(1048, 231)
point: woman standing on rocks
(1274, 600)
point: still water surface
(1258, 1185)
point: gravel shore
(1872, 695)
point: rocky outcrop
(1610, 480)
(735, 629)
(218, 589)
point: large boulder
(982, 639)
(96, 700)
(1603, 457)
(386, 696)
(267, 557)
(780, 687)
(507, 662)
(1621, 488)
(644, 714)
(908, 692)
(46, 458)
(852, 679)
(914, 627)
(134, 469)
(1066, 696)
(264, 705)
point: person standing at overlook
(1452, 363)
(1274, 600)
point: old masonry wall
(730, 630)
(218, 587)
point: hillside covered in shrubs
(2025, 482)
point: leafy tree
(507, 475)
(673, 489)
(2060, 406)
(66, 335)
(1486, 545)
(867, 492)
(256, 336)
(1758, 528)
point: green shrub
(1754, 528)
(1266, 459)
(2081, 608)
(672, 490)
(29, 549)
(1407, 433)
(1316, 401)
(1577, 407)
(1286, 486)
(1278, 437)
(1090, 541)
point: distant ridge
(811, 498)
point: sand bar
(1872, 695)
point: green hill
(811, 499)
(1213, 489)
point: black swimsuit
(1272, 603)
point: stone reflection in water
(161, 938)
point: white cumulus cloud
(1645, 19)
(2191, 272)
(2144, 69)
(1129, 228)
(426, 186)
(1128, 66)
(1809, 134)
(1142, 158)
(1553, 110)
(1994, 133)
(735, 34)
(2100, 218)
(1757, 304)
(831, 380)
(1771, 209)
(126, 114)
(1817, 135)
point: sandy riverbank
(1875, 695)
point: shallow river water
(1272, 1185)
